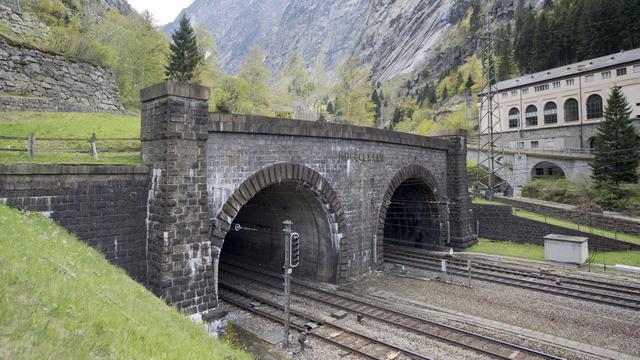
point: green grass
(69, 125)
(571, 225)
(536, 252)
(60, 299)
(506, 248)
(563, 223)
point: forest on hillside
(565, 32)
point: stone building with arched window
(560, 108)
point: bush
(557, 190)
(623, 198)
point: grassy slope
(66, 125)
(536, 252)
(61, 299)
(564, 223)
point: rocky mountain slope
(391, 36)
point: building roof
(570, 70)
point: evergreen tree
(185, 54)
(469, 84)
(475, 22)
(330, 108)
(397, 116)
(445, 93)
(617, 153)
(375, 98)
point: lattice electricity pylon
(489, 126)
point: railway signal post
(291, 260)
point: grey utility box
(566, 249)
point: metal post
(469, 272)
(31, 146)
(478, 228)
(94, 149)
(448, 232)
(18, 6)
(287, 278)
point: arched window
(571, 111)
(592, 144)
(550, 113)
(594, 107)
(514, 118)
(532, 115)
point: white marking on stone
(196, 318)
(46, 214)
(3, 201)
(115, 244)
(165, 238)
(155, 178)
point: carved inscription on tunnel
(360, 156)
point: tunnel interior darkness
(260, 241)
(412, 217)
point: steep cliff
(392, 37)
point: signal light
(294, 249)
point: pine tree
(330, 108)
(617, 153)
(185, 54)
(469, 84)
(445, 93)
(397, 115)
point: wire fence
(35, 145)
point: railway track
(351, 342)
(526, 271)
(599, 291)
(432, 329)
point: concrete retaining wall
(104, 205)
(498, 223)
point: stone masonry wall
(498, 223)
(104, 205)
(60, 84)
(607, 221)
(241, 146)
(174, 139)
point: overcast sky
(163, 11)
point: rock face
(34, 80)
(235, 25)
(390, 36)
(25, 25)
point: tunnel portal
(256, 236)
(412, 217)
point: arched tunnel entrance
(257, 239)
(412, 218)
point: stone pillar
(174, 141)
(461, 233)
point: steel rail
(576, 293)
(458, 337)
(230, 294)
